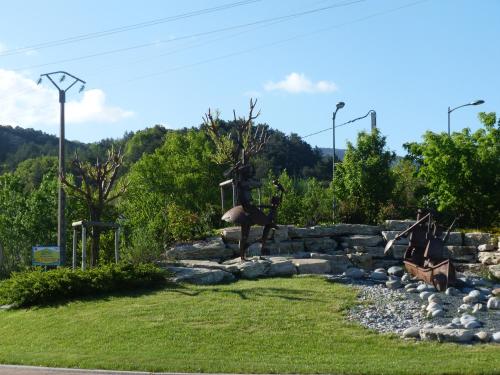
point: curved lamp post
(340, 105)
(477, 102)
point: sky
(166, 62)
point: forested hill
(18, 144)
(288, 152)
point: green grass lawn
(292, 325)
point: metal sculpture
(236, 147)
(425, 256)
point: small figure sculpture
(236, 148)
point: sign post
(46, 256)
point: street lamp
(373, 127)
(339, 106)
(477, 102)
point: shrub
(38, 287)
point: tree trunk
(95, 215)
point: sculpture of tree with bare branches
(97, 189)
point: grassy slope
(272, 325)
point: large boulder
(212, 248)
(332, 231)
(203, 276)
(398, 251)
(233, 234)
(362, 240)
(446, 334)
(193, 263)
(312, 266)
(253, 268)
(361, 260)
(489, 258)
(375, 251)
(495, 271)
(398, 225)
(391, 234)
(338, 263)
(461, 253)
(281, 267)
(320, 244)
(476, 238)
(290, 246)
(455, 239)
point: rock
(281, 267)
(398, 251)
(477, 307)
(411, 285)
(425, 287)
(233, 234)
(486, 247)
(212, 248)
(362, 260)
(446, 334)
(396, 271)
(381, 270)
(425, 295)
(280, 234)
(406, 278)
(496, 292)
(375, 251)
(398, 225)
(362, 240)
(312, 266)
(475, 293)
(436, 313)
(391, 234)
(465, 307)
(352, 229)
(253, 268)
(378, 276)
(339, 264)
(470, 299)
(434, 306)
(461, 253)
(451, 291)
(302, 255)
(465, 318)
(455, 239)
(489, 258)
(193, 263)
(354, 273)
(493, 303)
(482, 336)
(412, 332)
(472, 324)
(393, 284)
(456, 321)
(476, 239)
(290, 247)
(203, 276)
(495, 271)
(496, 337)
(319, 244)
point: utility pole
(61, 76)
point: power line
(298, 36)
(121, 29)
(200, 34)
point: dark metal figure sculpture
(237, 148)
(425, 256)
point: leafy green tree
(462, 172)
(363, 181)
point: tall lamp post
(61, 77)
(477, 102)
(340, 105)
(373, 115)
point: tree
(96, 190)
(462, 172)
(363, 180)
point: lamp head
(477, 102)
(340, 105)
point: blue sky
(408, 60)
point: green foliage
(363, 181)
(462, 172)
(38, 287)
(173, 194)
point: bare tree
(96, 189)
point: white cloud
(3, 47)
(296, 83)
(24, 103)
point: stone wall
(344, 245)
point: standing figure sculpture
(236, 147)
